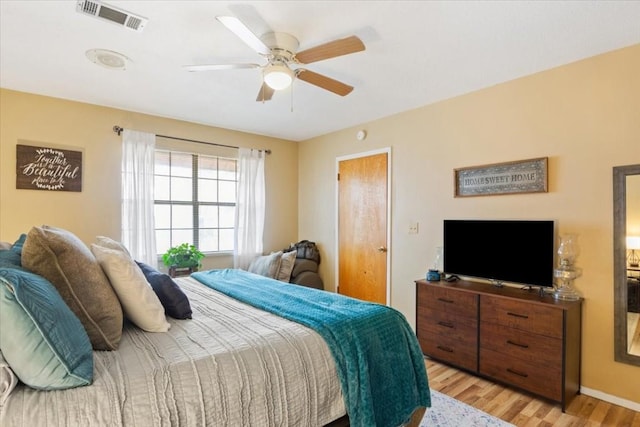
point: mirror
(626, 237)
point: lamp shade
(633, 242)
(278, 77)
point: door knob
(382, 249)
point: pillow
(10, 254)
(287, 261)
(42, 340)
(175, 302)
(9, 258)
(17, 246)
(61, 258)
(139, 302)
(107, 242)
(266, 265)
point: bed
(237, 363)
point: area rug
(446, 411)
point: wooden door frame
(386, 150)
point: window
(195, 201)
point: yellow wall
(96, 210)
(584, 116)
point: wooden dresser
(505, 334)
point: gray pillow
(64, 260)
(287, 261)
(266, 265)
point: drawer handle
(522, 316)
(448, 301)
(520, 374)
(517, 344)
(447, 349)
(446, 324)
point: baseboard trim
(629, 404)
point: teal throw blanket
(378, 358)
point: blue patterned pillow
(42, 340)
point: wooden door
(362, 227)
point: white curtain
(138, 227)
(250, 207)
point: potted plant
(182, 259)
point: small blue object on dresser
(433, 275)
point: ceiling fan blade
(215, 67)
(324, 82)
(265, 93)
(330, 50)
(244, 33)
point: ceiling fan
(279, 49)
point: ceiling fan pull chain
(292, 98)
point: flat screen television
(514, 251)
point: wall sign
(45, 168)
(523, 176)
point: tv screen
(516, 251)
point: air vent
(112, 14)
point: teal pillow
(9, 258)
(17, 246)
(12, 257)
(42, 340)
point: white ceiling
(417, 53)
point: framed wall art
(48, 169)
(522, 176)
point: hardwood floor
(522, 409)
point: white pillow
(287, 261)
(109, 243)
(139, 302)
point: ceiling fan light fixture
(278, 77)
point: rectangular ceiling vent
(113, 14)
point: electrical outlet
(413, 228)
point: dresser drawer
(539, 379)
(540, 319)
(444, 323)
(532, 348)
(448, 300)
(451, 350)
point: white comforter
(231, 365)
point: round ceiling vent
(108, 59)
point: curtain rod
(117, 129)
